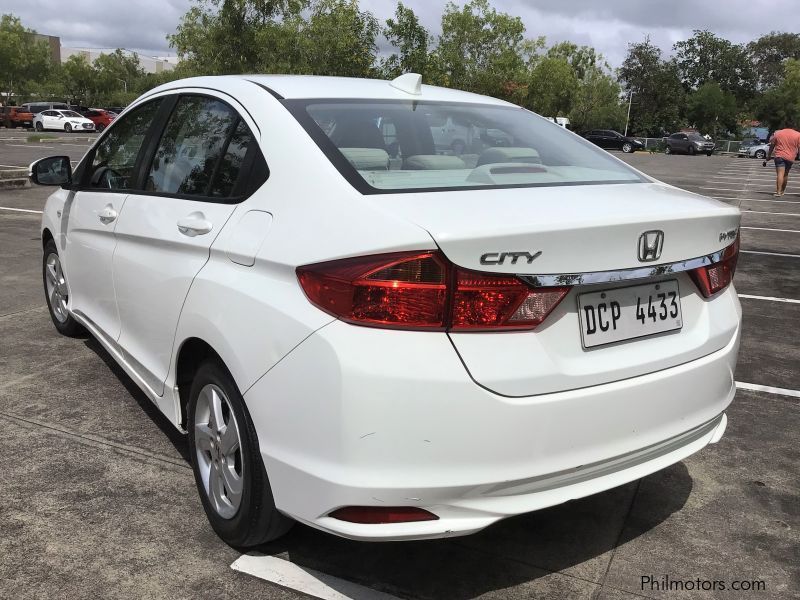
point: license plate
(630, 312)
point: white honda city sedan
(381, 337)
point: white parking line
(25, 210)
(307, 581)
(14, 167)
(765, 388)
(766, 212)
(770, 298)
(722, 189)
(755, 199)
(770, 253)
(769, 229)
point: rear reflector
(424, 291)
(716, 277)
(374, 515)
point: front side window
(115, 156)
(194, 140)
(397, 145)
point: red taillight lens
(374, 515)
(715, 278)
(484, 301)
(392, 290)
(422, 290)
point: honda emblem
(650, 245)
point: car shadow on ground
(178, 440)
(576, 538)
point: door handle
(108, 214)
(194, 224)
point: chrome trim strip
(622, 274)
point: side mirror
(53, 170)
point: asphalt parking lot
(97, 499)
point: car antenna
(410, 83)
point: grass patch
(38, 137)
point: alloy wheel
(57, 291)
(219, 451)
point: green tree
(712, 110)
(78, 79)
(780, 105)
(706, 57)
(23, 60)
(480, 49)
(119, 78)
(582, 59)
(227, 36)
(552, 87)
(768, 55)
(411, 39)
(340, 39)
(597, 103)
(656, 88)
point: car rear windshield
(405, 146)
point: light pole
(628, 118)
(125, 87)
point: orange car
(14, 116)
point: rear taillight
(423, 290)
(717, 276)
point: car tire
(246, 517)
(627, 147)
(692, 151)
(709, 153)
(39, 126)
(67, 127)
(667, 150)
(56, 292)
(761, 154)
(100, 127)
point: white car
(63, 120)
(391, 348)
(755, 151)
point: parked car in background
(753, 149)
(114, 109)
(15, 116)
(689, 143)
(613, 140)
(37, 107)
(64, 120)
(472, 342)
(100, 117)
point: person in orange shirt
(784, 146)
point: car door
(47, 119)
(615, 140)
(91, 216)
(165, 231)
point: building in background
(151, 64)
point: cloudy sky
(608, 25)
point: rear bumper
(358, 416)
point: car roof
(316, 86)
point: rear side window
(114, 158)
(196, 137)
